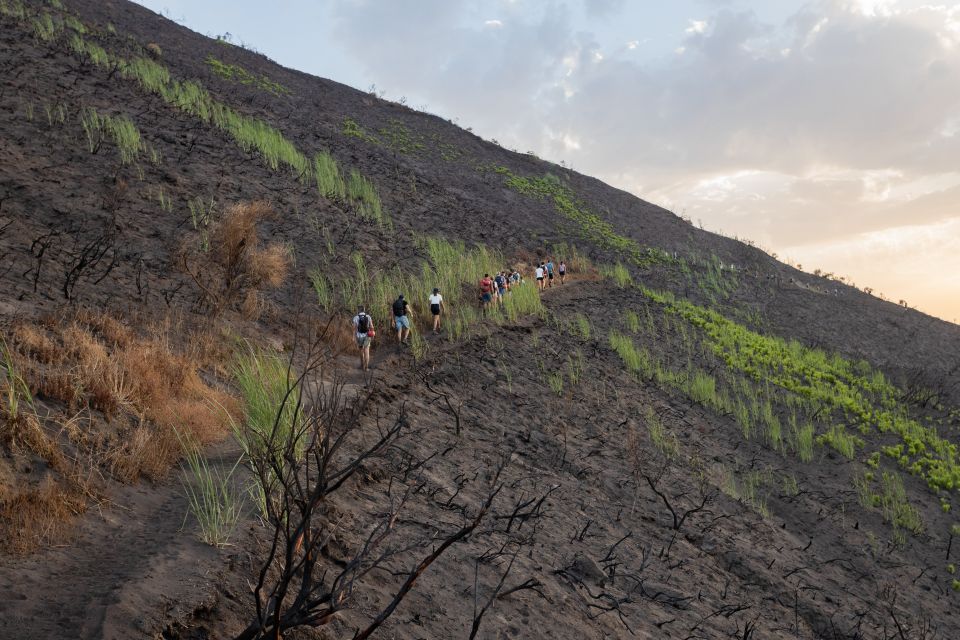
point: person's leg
(366, 357)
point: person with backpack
(550, 272)
(486, 290)
(400, 318)
(363, 333)
(562, 270)
(539, 272)
(501, 282)
(436, 307)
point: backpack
(399, 308)
(501, 281)
(363, 323)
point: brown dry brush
(233, 269)
(299, 469)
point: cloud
(842, 120)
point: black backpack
(363, 323)
(399, 308)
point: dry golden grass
(142, 383)
(35, 343)
(37, 516)
(131, 399)
(232, 272)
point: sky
(825, 131)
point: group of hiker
(545, 270)
(491, 290)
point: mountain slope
(658, 382)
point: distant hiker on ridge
(363, 333)
(550, 272)
(486, 290)
(539, 272)
(436, 307)
(400, 310)
(562, 270)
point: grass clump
(363, 193)
(120, 129)
(891, 499)
(839, 440)
(330, 183)
(618, 273)
(269, 390)
(581, 326)
(212, 497)
(638, 361)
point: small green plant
(581, 326)
(322, 286)
(703, 389)
(555, 380)
(269, 390)
(575, 367)
(790, 485)
(329, 181)
(120, 129)
(632, 320)
(618, 273)
(638, 361)
(418, 345)
(212, 496)
(45, 28)
(842, 442)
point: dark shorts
(540, 278)
(435, 309)
(486, 297)
(550, 275)
(502, 291)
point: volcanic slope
(694, 440)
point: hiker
(436, 307)
(501, 281)
(562, 270)
(550, 272)
(539, 272)
(364, 333)
(400, 310)
(486, 290)
(516, 277)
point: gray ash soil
(603, 557)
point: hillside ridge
(686, 439)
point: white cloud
(842, 120)
(493, 23)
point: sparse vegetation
(212, 495)
(236, 73)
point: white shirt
(539, 272)
(436, 298)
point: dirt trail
(127, 569)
